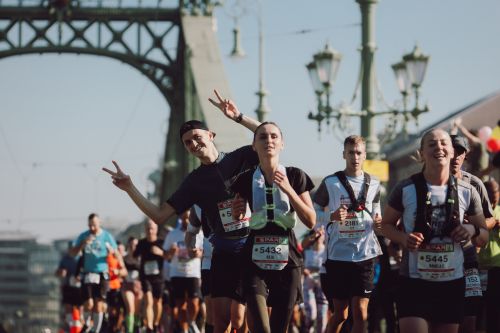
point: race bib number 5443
(226, 217)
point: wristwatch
(239, 118)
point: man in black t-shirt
(208, 186)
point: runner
(431, 206)
(185, 273)
(208, 186)
(473, 292)
(114, 300)
(93, 245)
(151, 255)
(132, 290)
(351, 201)
(70, 287)
(272, 263)
(315, 301)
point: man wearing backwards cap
(473, 291)
(208, 186)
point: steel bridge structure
(172, 43)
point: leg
(413, 325)
(257, 314)
(222, 309)
(148, 304)
(359, 308)
(340, 312)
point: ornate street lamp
(410, 73)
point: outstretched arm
(231, 111)
(124, 182)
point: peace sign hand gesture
(120, 179)
(226, 106)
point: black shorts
(155, 286)
(282, 288)
(436, 302)
(114, 299)
(72, 295)
(205, 282)
(167, 299)
(95, 290)
(185, 287)
(226, 275)
(346, 279)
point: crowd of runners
(426, 261)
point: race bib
(472, 283)
(353, 226)
(436, 261)
(270, 252)
(74, 282)
(132, 275)
(226, 217)
(151, 268)
(94, 278)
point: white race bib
(353, 226)
(436, 261)
(226, 217)
(270, 252)
(151, 268)
(94, 278)
(74, 282)
(472, 283)
(132, 275)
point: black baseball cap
(460, 142)
(191, 125)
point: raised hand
(120, 179)
(226, 106)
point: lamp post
(237, 52)
(409, 75)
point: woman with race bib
(276, 195)
(431, 206)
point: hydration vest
(423, 219)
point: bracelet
(477, 231)
(239, 118)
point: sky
(63, 117)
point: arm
(390, 220)
(231, 111)
(465, 131)
(124, 182)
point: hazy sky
(63, 117)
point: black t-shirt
(209, 185)
(301, 183)
(148, 269)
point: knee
(339, 317)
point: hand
(340, 214)
(226, 106)
(462, 233)
(458, 122)
(90, 238)
(195, 252)
(156, 251)
(120, 179)
(281, 180)
(238, 208)
(414, 240)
